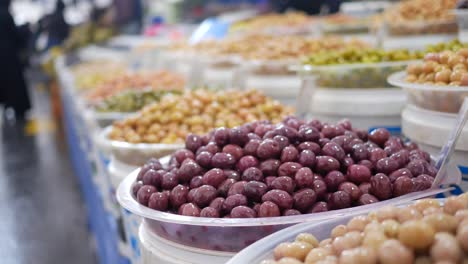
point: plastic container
(263, 249)
(273, 78)
(99, 120)
(211, 233)
(365, 108)
(155, 249)
(137, 154)
(218, 72)
(431, 97)
(430, 130)
(358, 75)
(128, 221)
(421, 27)
(462, 19)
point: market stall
(237, 145)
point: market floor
(42, 216)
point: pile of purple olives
(291, 168)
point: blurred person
(55, 26)
(13, 91)
(311, 7)
(126, 16)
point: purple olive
(284, 183)
(221, 136)
(196, 182)
(243, 212)
(304, 199)
(178, 196)
(312, 146)
(339, 200)
(204, 159)
(251, 147)
(289, 153)
(400, 172)
(237, 188)
(289, 212)
(304, 178)
(381, 186)
(252, 174)
(189, 209)
(144, 194)
(289, 169)
(182, 154)
(188, 170)
(332, 149)
(280, 198)
(319, 207)
(358, 173)
(234, 150)
(193, 142)
(320, 188)
(402, 186)
(224, 187)
(223, 160)
(352, 189)
(326, 164)
(217, 203)
(233, 201)
(270, 167)
(209, 212)
(379, 136)
(269, 209)
(254, 190)
(214, 177)
(203, 195)
(268, 149)
(333, 179)
(158, 201)
(367, 199)
(386, 166)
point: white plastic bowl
(431, 97)
(211, 233)
(263, 249)
(137, 154)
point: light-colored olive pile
(89, 75)
(198, 111)
(444, 68)
(131, 101)
(424, 232)
(156, 81)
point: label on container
(132, 224)
(394, 130)
(458, 188)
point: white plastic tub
(430, 130)
(273, 78)
(233, 235)
(155, 249)
(117, 172)
(462, 18)
(440, 98)
(136, 154)
(365, 108)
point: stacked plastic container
(358, 92)
(430, 116)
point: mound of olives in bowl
(294, 167)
